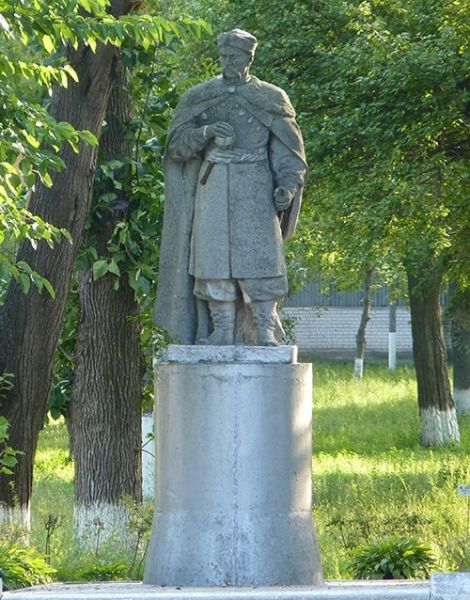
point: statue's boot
(265, 316)
(223, 320)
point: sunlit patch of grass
(52, 456)
(371, 476)
(53, 493)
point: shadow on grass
(378, 429)
(369, 489)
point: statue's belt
(233, 155)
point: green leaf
(86, 5)
(35, 143)
(74, 146)
(65, 129)
(92, 43)
(49, 287)
(46, 179)
(113, 267)
(144, 285)
(88, 137)
(8, 168)
(99, 268)
(25, 282)
(48, 43)
(9, 460)
(71, 72)
(64, 79)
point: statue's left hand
(283, 197)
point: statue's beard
(233, 75)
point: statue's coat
(176, 309)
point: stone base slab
(409, 590)
(176, 353)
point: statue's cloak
(176, 308)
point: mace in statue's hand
(283, 198)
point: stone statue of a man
(234, 173)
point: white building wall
(334, 329)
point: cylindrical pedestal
(233, 481)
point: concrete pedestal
(233, 479)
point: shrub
(21, 566)
(103, 572)
(393, 558)
(7, 454)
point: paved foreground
(446, 586)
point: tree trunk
(436, 408)
(105, 413)
(105, 408)
(361, 332)
(460, 317)
(30, 323)
(392, 336)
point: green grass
(372, 478)
(53, 495)
(53, 498)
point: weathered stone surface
(351, 590)
(233, 476)
(450, 586)
(176, 353)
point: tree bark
(460, 320)
(30, 323)
(105, 413)
(436, 407)
(361, 332)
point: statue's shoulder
(268, 88)
(202, 92)
(195, 100)
(271, 96)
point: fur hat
(237, 38)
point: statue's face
(234, 62)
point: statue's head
(236, 49)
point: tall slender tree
(361, 331)
(436, 407)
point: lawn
(371, 477)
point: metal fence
(312, 295)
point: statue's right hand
(219, 129)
